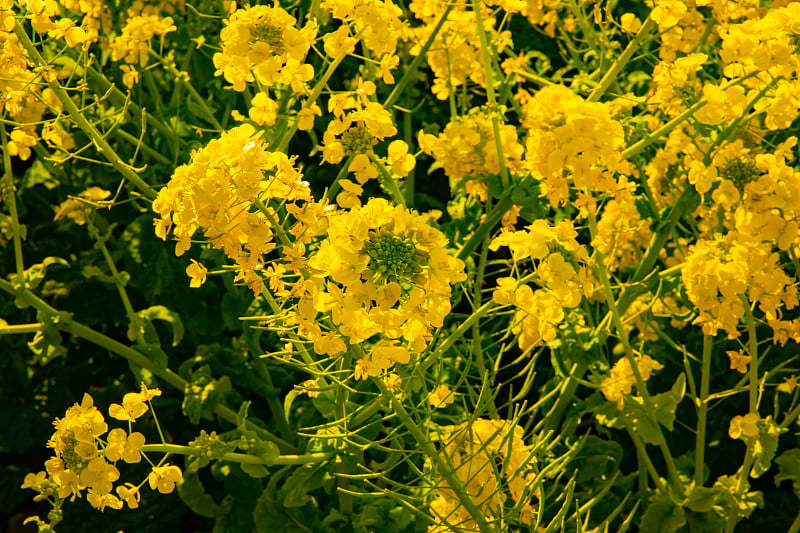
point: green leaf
(789, 469)
(254, 470)
(765, 446)
(302, 481)
(159, 312)
(702, 499)
(203, 393)
(666, 403)
(662, 516)
(193, 494)
(596, 458)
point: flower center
(357, 140)
(740, 171)
(392, 257)
(269, 34)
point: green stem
(752, 349)
(616, 317)
(123, 294)
(702, 411)
(388, 183)
(612, 73)
(308, 458)
(9, 194)
(444, 469)
(505, 180)
(274, 404)
(20, 329)
(312, 98)
(183, 79)
(120, 99)
(412, 68)
(87, 127)
(113, 346)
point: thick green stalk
(752, 349)
(243, 458)
(611, 75)
(415, 63)
(702, 411)
(616, 317)
(113, 346)
(490, 96)
(443, 468)
(8, 193)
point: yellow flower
(101, 500)
(441, 397)
(739, 360)
(123, 446)
(746, 426)
(164, 478)
(129, 493)
(133, 406)
(263, 110)
(197, 272)
(399, 159)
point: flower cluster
(262, 44)
(561, 272)
(621, 379)
(133, 45)
(455, 56)
(381, 270)
(493, 463)
(377, 24)
(467, 150)
(224, 191)
(84, 461)
(573, 142)
(723, 274)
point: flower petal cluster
(219, 192)
(134, 43)
(719, 273)
(381, 270)
(80, 463)
(621, 379)
(572, 142)
(263, 44)
(560, 268)
(455, 55)
(466, 149)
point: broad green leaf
(203, 393)
(193, 494)
(662, 516)
(789, 469)
(702, 499)
(765, 446)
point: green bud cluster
(267, 33)
(71, 459)
(357, 140)
(740, 171)
(392, 257)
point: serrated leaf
(765, 446)
(302, 481)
